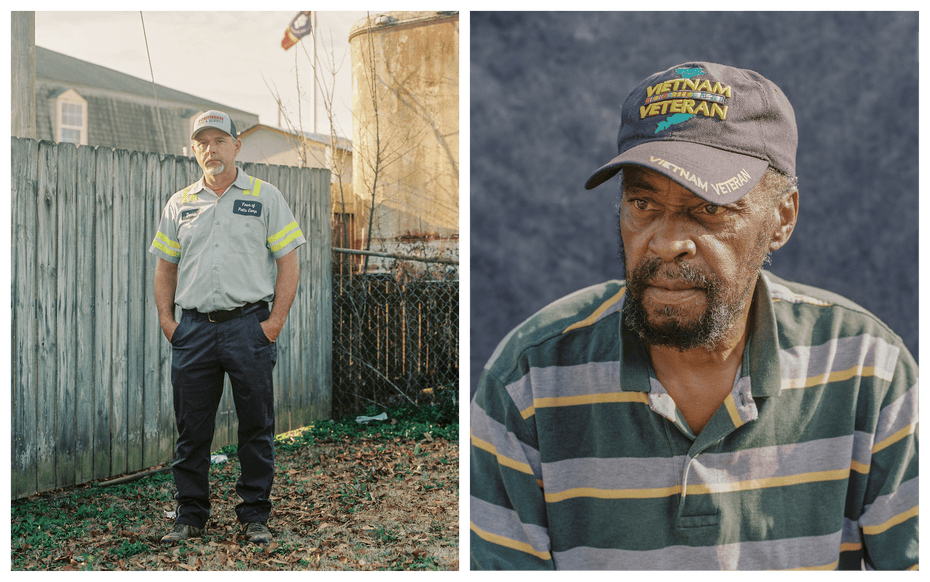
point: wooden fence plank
(304, 343)
(302, 189)
(84, 267)
(167, 186)
(156, 419)
(24, 160)
(289, 344)
(66, 390)
(119, 272)
(103, 311)
(322, 326)
(320, 278)
(46, 312)
(303, 193)
(135, 331)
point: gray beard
(707, 331)
(215, 170)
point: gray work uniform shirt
(226, 246)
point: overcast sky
(228, 57)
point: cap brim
(718, 176)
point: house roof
(341, 142)
(71, 71)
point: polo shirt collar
(242, 182)
(760, 357)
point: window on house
(72, 118)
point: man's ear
(787, 210)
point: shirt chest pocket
(246, 236)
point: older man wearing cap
(703, 413)
(226, 248)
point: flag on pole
(298, 28)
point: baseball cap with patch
(214, 119)
(713, 129)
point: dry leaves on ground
(351, 504)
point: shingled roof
(75, 72)
(121, 108)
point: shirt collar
(760, 357)
(242, 182)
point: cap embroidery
(689, 176)
(733, 184)
(682, 99)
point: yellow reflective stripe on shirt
(286, 241)
(168, 241)
(284, 236)
(256, 187)
(170, 247)
(186, 196)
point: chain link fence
(395, 332)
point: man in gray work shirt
(226, 247)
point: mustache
(653, 270)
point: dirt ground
(352, 504)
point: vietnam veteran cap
(215, 119)
(712, 128)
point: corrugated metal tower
(405, 71)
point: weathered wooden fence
(91, 385)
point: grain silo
(405, 103)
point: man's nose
(673, 240)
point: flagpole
(313, 34)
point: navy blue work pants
(202, 353)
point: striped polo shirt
(226, 246)
(581, 460)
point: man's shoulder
(574, 313)
(253, 186)
(814, 307)
(185, 194)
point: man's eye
(639, 204)
(714, 210)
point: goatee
(680, 327)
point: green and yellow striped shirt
(581, 460)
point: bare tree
(384, 142)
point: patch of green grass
(407, 421)
(385, 535)
(128, 548)
(423, 563)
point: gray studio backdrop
(546, 90)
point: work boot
(181, 532)
(256, 532)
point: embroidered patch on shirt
(247, 207)
(190, 214)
